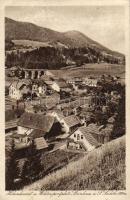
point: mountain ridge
(17, 30)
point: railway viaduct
(33, 73)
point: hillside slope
(101, 169)
(16, 30)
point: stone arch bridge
(33, 73)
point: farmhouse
(70, 123)
(17, 89)
(32, 121)
(82, 139)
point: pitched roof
(62, 84)
(45, 77)
(36, 133)
(40, 143)
(72, 120)
(59, 113)
(93, 128)
(18, 84)
(88, 136)
(36, 121)
(48, 82)
(17, 136)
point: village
(68, 107)
(65, 105)
(46, 114)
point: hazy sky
(104, 24)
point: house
(55, 86)
(39, 88)
(32, 121)
(35, 108)
(63, 86)
(49, 83)
(49, 73)
(45, 77)
(74, 80)
(24, 141)
(69, 111)
(58, 115)
(101, 133)
(34, 87)
(55, 96)
(90, 82)
(81, 139)
(17, 89)
(32, 130)
(21, 141)
(70, 123)
(59, 85)
(42, 89)
(38, 139)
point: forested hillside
(31, 46)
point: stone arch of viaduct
(33, 73)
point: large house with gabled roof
(32, 129)
(17, 89)
(81, 139)
(32, 121)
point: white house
(34, 87)
(60, 85)
(55, 86)
(82, 139)
(17, 89)
(90, 82)
(35, 139)
(42, 89)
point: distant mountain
(15, 30)
(31, 46)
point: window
(74, 135)
(78, 137)
(82, 136)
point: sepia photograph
(65, 98)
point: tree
(32, 167)
(11, 164)
(119, 126)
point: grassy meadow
(90, 70)
(101, 169)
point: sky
(104, 24)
